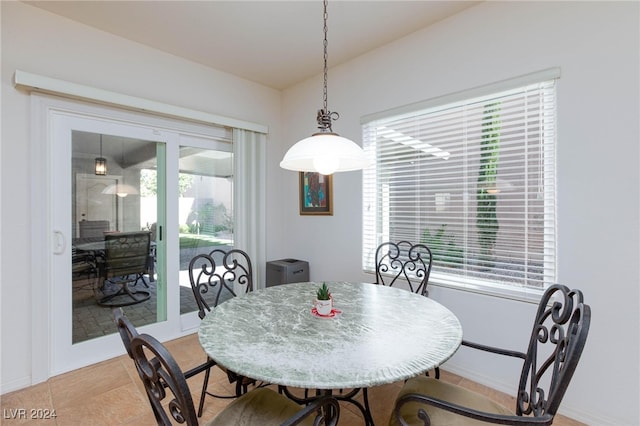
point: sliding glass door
(106, 254)
(115, 182)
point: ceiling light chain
(324, 152)
(324, 115)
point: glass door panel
(114, 222)
(205, 208)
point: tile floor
(110, 393)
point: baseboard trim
(14, 385)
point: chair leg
(140, 277)
(368, 418)
(240, 387)
(204, 391)
(437, 371)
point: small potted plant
(324, 301)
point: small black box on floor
(285, 271)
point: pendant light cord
(324, 152)
(324, 115)
(326, 56)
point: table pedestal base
(347, 397)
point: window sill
(504, 291)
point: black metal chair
(171, 400)
(125, 263)
(125, 328)
(224, 273)
(558, 337)
(406, 262)
(128, 332)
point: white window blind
(474, 180)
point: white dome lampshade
(120, 189)
(324, 152)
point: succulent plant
(323, 292)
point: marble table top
(383, 335)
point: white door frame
(50, 237)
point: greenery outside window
(472, 176)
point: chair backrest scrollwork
(406, 262)
(162, 376)
(557, 340)
(226, 273)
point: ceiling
(274, 43)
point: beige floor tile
(381, 399)
(450, 377)
(16, 406)
(145, 419)
(111, 393)
(69, 388)
(117, 406)
(349, 418)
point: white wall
(595, 44)
(42, 43)
(597, 47)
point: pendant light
(120, 189)
(101, 163)
(324, 152)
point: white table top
(383, 335)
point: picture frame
(316, 194)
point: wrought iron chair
(128, 332)
(125, 263)
(225, 273)
(165, 382)
(406, 262)
(558, 337)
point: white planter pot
(323, 307)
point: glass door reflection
(114, 220)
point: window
(473, 179)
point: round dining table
(375, 335)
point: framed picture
(316, 194)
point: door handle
(59, 243)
